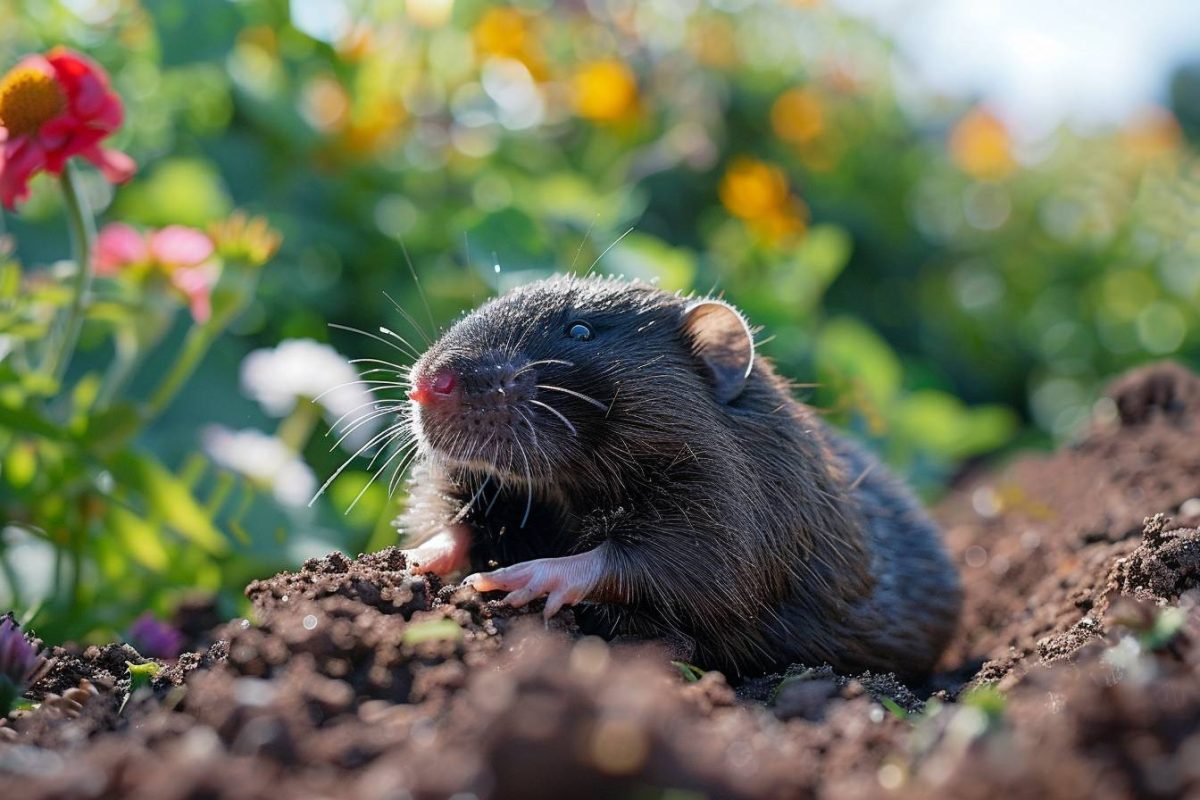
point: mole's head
(565, 381)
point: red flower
(184, 255)
(54, 107)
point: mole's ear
(721, 338)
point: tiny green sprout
(433, 630)
(988, 699)
(787, 681)
(1166, 626)
(140, 676)
(690, 672)
(898, 711)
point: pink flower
(177, 246)
(52, 108)
(184, 255)
(197, 284)
(119, 246)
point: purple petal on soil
(18, 658)
(154, 638)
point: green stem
(81, 224)
(298, 426)
(198, 340)
(124, 363)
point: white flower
(264, 459)
(299, 370)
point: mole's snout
(434, 388)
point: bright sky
(1042, 62)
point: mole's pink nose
(429, 389)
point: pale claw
(441, 554)
(562, 581)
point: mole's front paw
(442, 554)
(562, 581)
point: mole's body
(609, 445)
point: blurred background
(954, 219)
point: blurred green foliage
(929, 282)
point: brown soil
(1075, 674)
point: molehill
(1076, 671)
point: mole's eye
(580, 331)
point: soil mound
(1075, 673)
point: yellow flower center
(29, 98)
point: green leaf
(141, 540)
(690, 672)
(167, 497)
(111, 428)
(850, 352)
(25, 420)
(891, 705)
(942, 424)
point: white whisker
(380, 339)
(574, 393)
(558, 414)
(616, 242)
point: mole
(610, 446)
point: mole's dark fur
(731, 516)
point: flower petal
(113, 164)
(197, 283)
(119, 246)
(20, 159)
(84, 81)
(178, 246)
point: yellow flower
(244, 239)
(501, 32)
(758, 193)
(605, 91)
(788, 221)
(798, 117)
(506, 33)
(981, 146)
(753, 189)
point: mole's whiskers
(528, 479)
(574, 393)
(542, 362)
(557, 413)
(395, 342)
